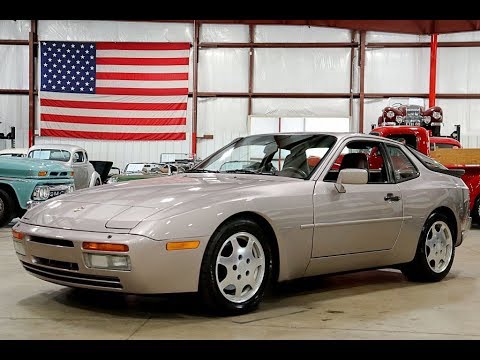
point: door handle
(391, 197)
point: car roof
(71, 148)
(14, 151)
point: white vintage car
(74, 156)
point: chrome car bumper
(56, 255)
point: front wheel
(435, 251)
(236, 268)
(7, 208)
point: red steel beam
(14, 42)
(196, 32)
(362, 81)
(433, 70)
(250, 68)
(252, 44)
(32, 38)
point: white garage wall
(288, 33)
(14, 29)
(223, 70)
(224, 118)
(224, 33)
(376, 36)
(458, 70)
(14, 112)
(120, 152)
(302, 70)
(397, 70)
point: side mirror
(350, 176)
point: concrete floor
(364, 305)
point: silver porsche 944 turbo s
(263, 209)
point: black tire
(419, 268)
(476, 211)
(7, 208)
(216, 299)
(97, 182)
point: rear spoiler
(454, 172)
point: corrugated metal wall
(275, 70)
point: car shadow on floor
(174, 306)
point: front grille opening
(73, 277)
(63, 173)
(50, 241)
(54, 173)
(55, 263)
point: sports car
(261, 210)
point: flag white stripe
(143, 53)
(113, 98)
(112, 128)
(157, 69)
(138, 84)
(153, 114)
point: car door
(80, 170)
(366, 217)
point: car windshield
(50, 154)
(289, 155)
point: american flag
(114, 90)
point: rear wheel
(476, 211)
(236, 268)
(7, 208)
(97, 182)
(435, 251)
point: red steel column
(196, 29)
(433, 70)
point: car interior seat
(355, 161)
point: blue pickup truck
(26, 182)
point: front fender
(93, 179)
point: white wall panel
(458, 70)
(96, 30)
(14, 112)
(465, 113)
(291, 33)
(223, 70)
(123, 152)
(460, 36)
(393, 70)
(13, 67)
(302, 70)
(225, 118)
(301, 107)
(236, 33)
(375, 36)
(14, 29)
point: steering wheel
(295, 170)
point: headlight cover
(399, 119)
(427, 119)
(390, 114)
(41, 192)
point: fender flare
(94, 178)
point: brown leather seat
(355, 161)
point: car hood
(124, 205)
(29, 168)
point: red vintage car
(413, 115)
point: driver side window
(78, 157)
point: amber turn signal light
(17, 235)
(104, 247)
(183, 245)
(42, 173)
(71, 173)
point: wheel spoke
(229, 280)
(226, 261)
(431, 256)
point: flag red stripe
(113, 120)
(141, 91)
(141, 46)
(112, 105)
(141, 61)
(113, 136)
(141, 76)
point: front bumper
(466, 225)
(56, 255)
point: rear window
(427, 161)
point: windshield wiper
(201, 171)
(246, 171)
